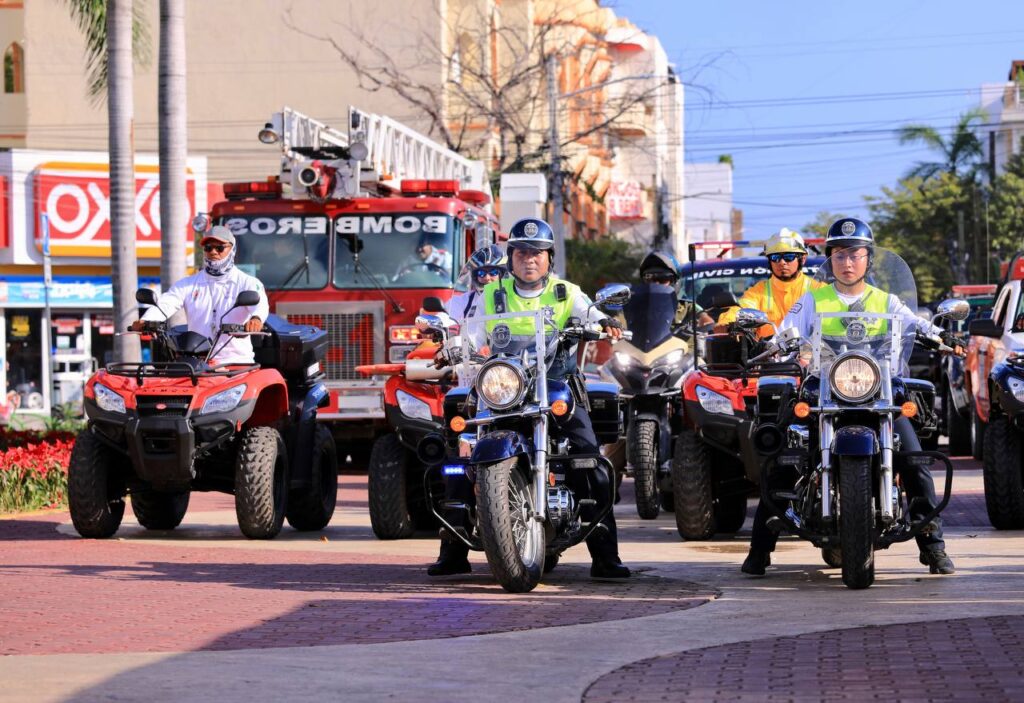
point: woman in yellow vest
(787, 254)
(850, 245)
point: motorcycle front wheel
(513, 540)
(643, 455)
(856, 521)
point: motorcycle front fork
(540, 468)
(886, 500)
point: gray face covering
(219, 268)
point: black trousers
(917, 482)
(602, 544)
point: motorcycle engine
(561, 505)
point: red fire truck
(351, 236)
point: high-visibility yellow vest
(874, 300)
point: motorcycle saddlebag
(291, 349)
(605, 411)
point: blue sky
(772, 82)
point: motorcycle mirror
(201, 223)
(247, 299)
(432, 304)
(432, 323)
(751, 317)
(146, 296)
(612, 297)
(953, 309)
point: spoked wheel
(643, 455)
(856, 521)
(513, 541)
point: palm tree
(113, 34)
(961, 152)
(173, 125)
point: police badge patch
(501, 336)
(530, 229)
(856, 331)
(848, 228)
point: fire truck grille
(350, 341)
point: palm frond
(91, 18)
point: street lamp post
(555, 165)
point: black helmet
(531, 233)
(659, 262)
(848, 232)
(489, 256)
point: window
(14, 69)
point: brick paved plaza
(201, 613)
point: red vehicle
(351, 236)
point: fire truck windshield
(283, 251)
(401, 250)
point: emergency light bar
(253, 189)
(975, 289)
(729, 245)
(423, 186)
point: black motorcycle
(837, 438)
(648, 370)
(504, 430)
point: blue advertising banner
(65, 291)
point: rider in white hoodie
(208, 294)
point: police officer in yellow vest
(849, 245)
(532, 286)
(786, 254)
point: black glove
(446, 356)
(610, 322)
(951, 339)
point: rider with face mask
(849, 245)
(210, 293)
(485, 265)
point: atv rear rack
(174, 369)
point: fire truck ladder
(376, 147)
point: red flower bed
(34, 469)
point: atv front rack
(174, 369)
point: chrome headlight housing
(224, 401)
(501, 385)
(107, 399)
(413, 407)
(713, 402)
(854, 378)
(1016, 387)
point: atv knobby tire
(856, 521)
(261, 482)
(387, 489)
(643, 456)
(95, 487)
(1001, 469)
(513, 541)
(156, 510)
(691, 487)
(312, 507)
(958, 429)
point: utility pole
(557, 207)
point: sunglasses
(215, 247)
(788, 257)
(659, 278)
(485, 272)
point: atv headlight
(107, 399)
(224, 401)
(1016, 386)
(854, 378)
(713, 402)
(501, 385)
(411, 406)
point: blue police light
(454, 470)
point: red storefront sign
(76, 197)
(625, 200)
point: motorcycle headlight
(670, 359)
(411, 406)
(224, 401)
(108, 400)
(501, 385)
(854, 378)
(1016, 386)
(713, 402)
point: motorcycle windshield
(511, 334)
(867, 303)
(650, 313)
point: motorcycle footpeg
(586, 502)
(776, 524)
(784, 495)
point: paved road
(200, 613)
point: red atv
(157, 431)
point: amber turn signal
(458, 423)
(559, 408)
(909, 409)
(801, 410)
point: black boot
(937, 561)
(609, 568)
(453, 559)
(756, 562)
